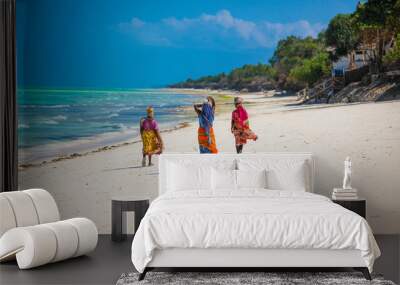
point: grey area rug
(269, 278)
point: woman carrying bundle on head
(151, 138)
(206, 137)
(240, 125)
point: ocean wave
(46, 106)
(123, 127)
(49, 122)
(60, 118)
(119, 127)
(126, 108)
(58, 106)
(113, 115)
(23, 126)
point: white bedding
(250, 219)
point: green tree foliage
(381, 18)
(306, 55)
(292, 50)
(250, 76)
(393, 19)
(292, 53)
(394, 54)
(342, 34)
(377, 13)
(250, 70)
(311, 70)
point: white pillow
(223, 179)
(251, 178)
(291, 178)
(282, 174)
(188, 177)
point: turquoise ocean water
(52, 123)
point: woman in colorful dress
(206, 136)
(151, 138)
(240, 125)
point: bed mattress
(250, 219)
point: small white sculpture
(347, 174)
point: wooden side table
(358, 206)
(122, 204)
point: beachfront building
(354, 60)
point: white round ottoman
(32, 234)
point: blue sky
(131, 44)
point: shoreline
(135, 140)
(260, 103)
(94, 142)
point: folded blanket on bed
(250, 219)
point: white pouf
(31, 232)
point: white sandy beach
(369, 133)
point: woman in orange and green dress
(240, 126)
(206, 137)
(151, 138)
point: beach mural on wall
(264, 76)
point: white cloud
(300, 28)
(221, 30)
(146, 32)
(137, 23)
(245, 29)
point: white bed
(196, 224)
